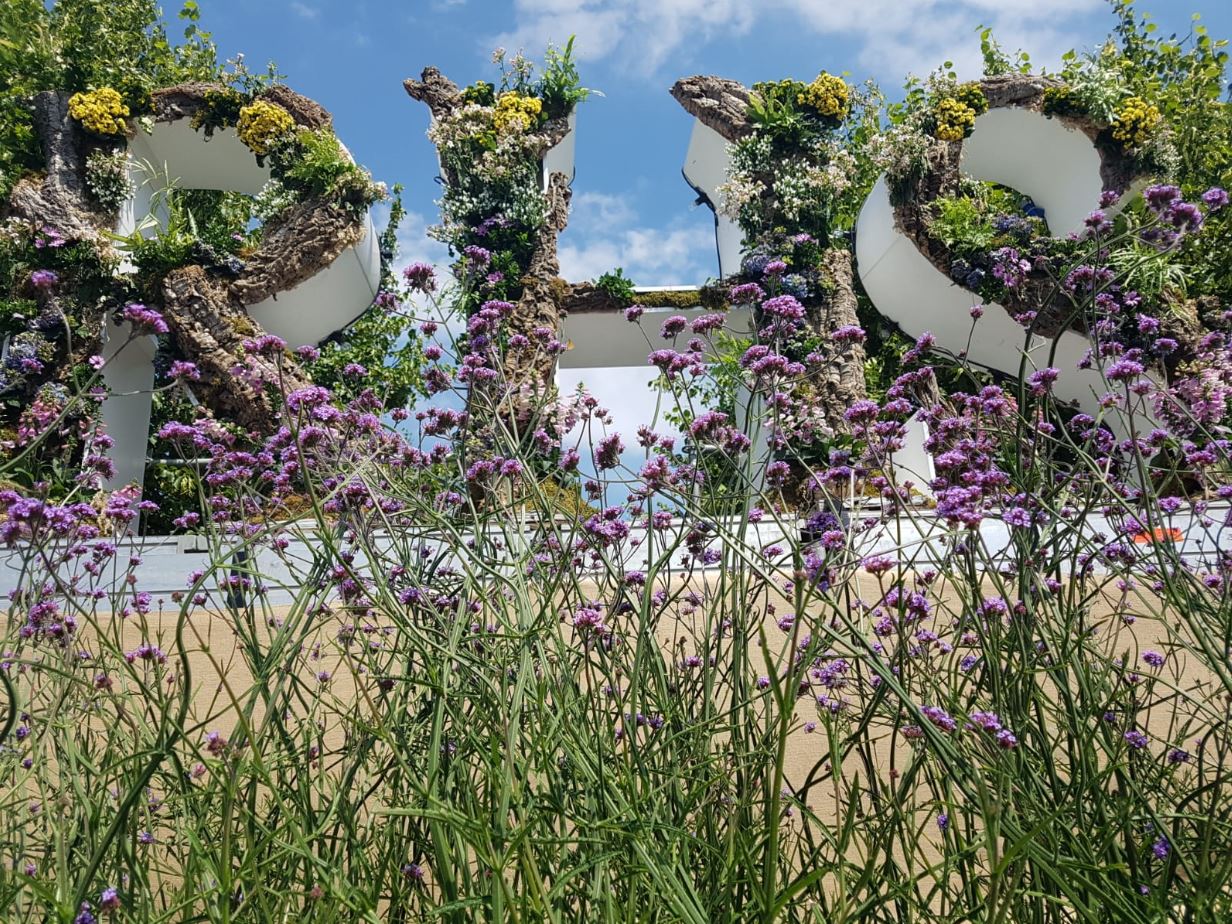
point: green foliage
(678, 299)
(560, 88)
(774, 110)
(77, 45)
(202, 226)
(964, 222)
(1063, 101)
(480, 93)
(1185, 77)
(616, 286)
(996, 61)
(220, 109)
(313, 163)
(1146, 269)
(382, 340)
(775, 107)
(960, 223)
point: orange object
(1159, 534)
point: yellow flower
(516, 113)
(100, 111)
(828, 95)
(261, 123)
(954, 120)
(1135, 122)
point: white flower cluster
(814, 181)
(902, 151)
(273, 199)
(489, 172)
(107, 177)
(815, 185)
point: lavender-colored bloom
(181, 369)
(477, 257)
(420, 277)
(1009, 266)
(747, 293)
(848, 333)
(633, 312)
(1018, 516)
(1185, 216)
(1124, 370)
(707, 323)
(1098, 222)
(44, 279)
(1164, 345)
(672, 326)
(1136, 739)
(1041, 380)
(939, 717)
(1215, 198)
(265, 345)
(786, 307)
(1153, 658)
(983, 721)
(109, 900)
(1161, 848)
(943, 822)
(144, 320)
(1160, 196)
(862, 411)
(775, 267)
(608, 455)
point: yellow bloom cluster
(1135, 122)
(261, 123)
(954, 119)
(828, 95)
(101, 111)
(516, 113)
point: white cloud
(414, 245)
(304, 11)
(603, 235)
(596, 211)
(893, 35)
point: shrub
(616, 286)
(219, 109)
(107, 178)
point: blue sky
(631, 206)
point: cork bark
(530, 375)
(295, 246)
(183, 100)
(838, 374)
(211, 326)
(716, 102)
(59, 199)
